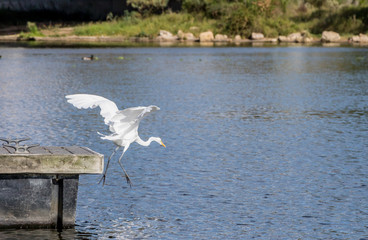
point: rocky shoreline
(204, 37)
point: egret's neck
(146, 143)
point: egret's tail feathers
(111, 137)
(101, 134)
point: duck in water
(88, 58)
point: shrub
(194, 6)
(32, 32)
(239, 22)
(148, 7)
(346, 20)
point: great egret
(122, 123)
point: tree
(148, 6)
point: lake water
(262, 142)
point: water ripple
(266, 143)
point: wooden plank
(10, 149)
(3, 151)
(80, 150)
(58, 151)
(53, 150)
(90, 151)
(38, 150)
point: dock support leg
(59, 223)
(38, 200)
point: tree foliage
(148, 7)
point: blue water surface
(262, 142)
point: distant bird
(122, 123)
(88, 58)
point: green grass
(147, 27)
(32, 32)
(242, 21)
(150, 26)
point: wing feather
(108, 107)
(128, 119)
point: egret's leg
(121, 165)
(107, 166)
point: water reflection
(41, 234)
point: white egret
(122, 123)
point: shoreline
(73, 39)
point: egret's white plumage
(122, 123)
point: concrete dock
(38, 189)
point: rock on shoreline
(187, 36)
(330, 36)
(298, 37)
(204, 37)
(361, 38)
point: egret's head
(159, 141)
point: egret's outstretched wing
(108, 108)
(128, 119)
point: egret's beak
(163, 144)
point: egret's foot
(128, 180)
(102, 178)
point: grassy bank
(226, 17)
(134, 25)
(242, 21)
